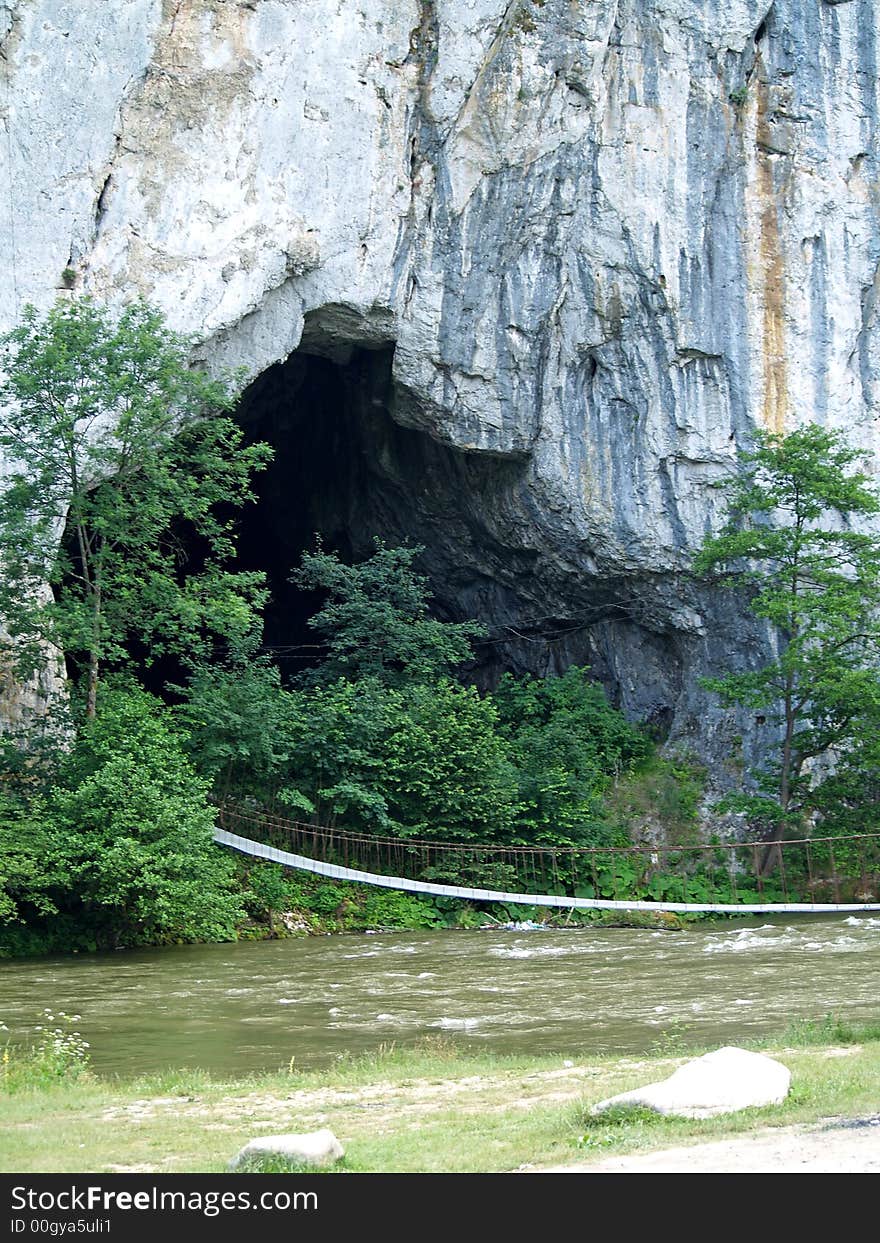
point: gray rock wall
(608, 239)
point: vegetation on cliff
(794, 542)
(123, 460)
(109, 437)
(126, 478)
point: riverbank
(319, 908)
(435, 1108)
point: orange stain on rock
(770, 278)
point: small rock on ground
(315, 1148)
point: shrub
(60, 1054)
(130, 831)
(567, 744)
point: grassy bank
(317, 906)
(313, 906)
(431, 1109)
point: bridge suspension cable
(574, 878)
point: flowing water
(255, 1005)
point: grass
(664, 793)
(429, 1109)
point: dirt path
(831, 1147)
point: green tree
(445, 770)
(128, 833)
(793, 544)
(336, 740)
(848, 798)
(375, 620)
(236, 722)
(107, 431)
(420, 760)
(567, 745)
(28, 875)
(267, 892)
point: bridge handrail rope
(369, 839)
(340, 851)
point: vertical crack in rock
(423, 144)
(473, 97)
(761, 30)
(174, 6)
(101, 202)
(127, 99)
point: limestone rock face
(722, 1082)
(316, 1148)
(606, 241)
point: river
(253, 1006)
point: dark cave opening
(345, 471)
(303, 408)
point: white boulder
(722, 1082)
(316, 1148)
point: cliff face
(605, 239)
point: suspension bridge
(805, 875)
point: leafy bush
(266, 891)
(420, 760)
(445, 773)
(60, 1054)
(128, 833)
(567, 745)
(388, 908)
(661, 793)
(341, 906)
(235, 725)
(375, 619)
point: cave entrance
(310, 410)
(346, 471)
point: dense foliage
(375, 619)
(378, 738)
(567, 744)
(107, 810)
(108, 432)
(120, 458)
(119, 846)
(112, 845)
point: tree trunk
(92, 694)
(772, 854)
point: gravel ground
(835, 1146)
